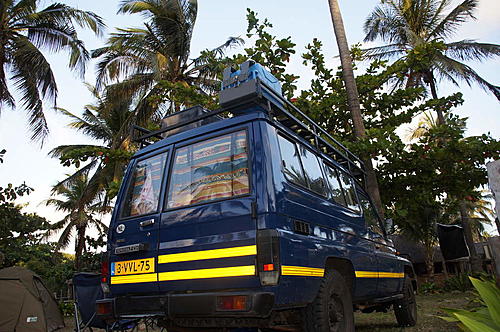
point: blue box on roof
(240, 83)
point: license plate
(135, 266)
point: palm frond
(451, 22)
(33, 78)
(448, 66)
(471, 50)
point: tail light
(268, 256)
(105, 276)
(104, 271)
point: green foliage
(10, 192)
(484, 319)
(67, 308)
(26, 31)
(428, 288)
(103, 154)
(274, 53)
(459, 282)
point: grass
(429, 306)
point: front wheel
(406, 308)
(332, 309)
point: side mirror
(389, 226)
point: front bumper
(173, 306)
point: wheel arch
(345, 267)
(409, 271)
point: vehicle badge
(120, 228)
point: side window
(291, 162)
(312, 171)
(335, 188)
(349, 191)
(210, 170)
(370, 215)
(144, 187)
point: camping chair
(86, 290)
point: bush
(459, 282)
(67, 308)
(428, 288)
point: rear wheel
(406, 308)
(332, 309)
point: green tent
(26, 304)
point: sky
(217, 20)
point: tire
(332, 309)
(406, 308)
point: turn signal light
(232, 303)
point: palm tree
(81, 212)
(417, 31)
(353, 100)
(25, 30)
(109, 123)
(137, 60)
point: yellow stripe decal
(208, 254)
(234, 271)
(391, 275)
(373, 274)
(132, 279)
(301, 271)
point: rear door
(207, 234)
(134, 239)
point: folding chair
(86, 290)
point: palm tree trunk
(353, 100)
(80, 243)
(429, 261)
(475, 260)
(497, 222)
(432, 84)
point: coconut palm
(137, 60)
(109, 124)
(418, 31)
(372, 185)
(25, 31)
(81, 210)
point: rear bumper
(259, 305)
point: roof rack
(281, 111)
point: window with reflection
(349, 191)
(210, 170)
(371, 216)
(335, 188)
(144, 188)
(312, 170)
(290, 162)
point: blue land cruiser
(249, 216)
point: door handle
(147, 222)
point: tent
(26, 304)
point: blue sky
(217, 20)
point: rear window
(210, 170)
(144, 187)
